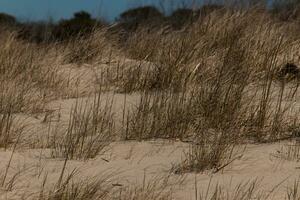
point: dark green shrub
(6, 19)
(209, 8)
(141, 14)
(286, 9)
(37, 32)
(185, 16)
(82, 24)
(133, 18)
(182, 16)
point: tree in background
(135, 17)
(6, 19)
(186, 16)
(286, 9)
(245, 3)
(81, 24)
(182, 16)
(38, 32)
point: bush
(133, 18)
(186, 16)
(182, 16)
(81, 24)
(6, 19)
(286, 10)
(37, 32)
(209, 8)
(141, 14)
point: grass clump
(211, 152)
(90, 129)
(6, 129)
(104, 187)
(71, 189)
(26, 77)
(156, 188)
(289, 151)
(158, 115)
(293, 191)
(243, 191)
(89, 50)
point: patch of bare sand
(130, 162)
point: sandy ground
(130, 162)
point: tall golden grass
(212, 84)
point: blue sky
(56, 9)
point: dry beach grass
(198, 113)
